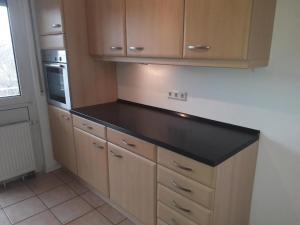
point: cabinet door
(62, 138)
(106, 27)
(154, 28)
(92, 160)
(133, 183)
(217, 29)
(49, 17)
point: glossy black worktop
(204, 140)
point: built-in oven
(56, 78)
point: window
(9, 82)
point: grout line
(81, 216)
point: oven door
(56, 75)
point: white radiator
(16, 151)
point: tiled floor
(54, 199)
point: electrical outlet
(177, 95)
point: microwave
(56, 78)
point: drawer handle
(128, 144)
(182, 167)
(181, 208)
(116, 155)
(88, 127)
(198, 47)
(98, 146)
(56, 25)
(136, 49)
(180, 187)
(116, 48)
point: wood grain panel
(89, 126)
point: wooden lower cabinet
(62, 138)
(92, 160)
(132, 182)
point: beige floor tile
(14, 193)
(92, 218)
(126, 222)
(71, 210)
(43, 183)
(24, 209)
(93, 199)
(45, 218)
(3, 219)
(64, 175)
(78, 187)
(111, 213)
(57, 196)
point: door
(21, 97)
(49, 17)
(132, 181)
(92, 160)
(154, 28)
(62, 138)
(106, 27)
(216, 29)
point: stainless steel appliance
(56, 76)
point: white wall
(267, 99)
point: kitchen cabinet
(49, 17)
(132, 181)
(154, 28)
(106, 27)
(62, 138)
(92, 160)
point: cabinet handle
(88, 127)
(56, 25)
(65, 117)
(114, 48)
(198, 47)
(98, 146)
(180, 187)
(128, 144)
(181, 208)
(182, 167)
(116, 155)
(136, 49)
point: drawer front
(184, 206)
(132, 144)
(171, 217)
(187, 167)
(160, 222)
(91, 127)
(186, 187)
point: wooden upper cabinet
(49, 18)
(106, 27)
(217, 29)
(154, 28)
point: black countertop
(204, 140)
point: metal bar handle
(136, 49)
(98, 146)
(56, 25)
(180, 187)
(128, 144)
(53, 65)
(65, 117)
(116, 155)
(87, 126)
(182, 167)
(116, 48)
(198, 47)
(181, 208)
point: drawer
(187, 167)
(132, 144)
(184, 206)
(171, 217)
(91, 127)
(186, 187)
